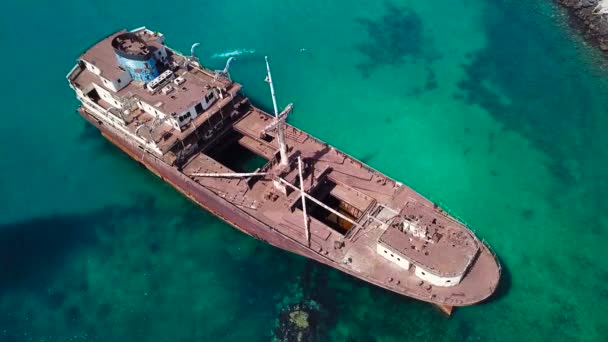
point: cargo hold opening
(325, 192)
(234, 156)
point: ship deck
(376, 198)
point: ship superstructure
(193, 127)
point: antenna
(280, 133)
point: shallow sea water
(493, 108)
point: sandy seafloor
(494, 108)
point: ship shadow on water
(504, 284)
(91, 137)
(31, 249)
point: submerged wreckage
(194, 129)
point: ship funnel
(135, 56)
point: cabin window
(119, 80)
(448, 281)
(198, 108)
(209, 97)
(423, 273)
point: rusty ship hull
(308, 197)
(242, 221)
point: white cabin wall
(107, 83)
(116, 84)
(206, 104)
(122, 81)
(151, 109)
(92, 68)
(436, 280)
(107, 96)
(186, 120)
(393, 256)
(192, 110)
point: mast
(306, 226)
(279, 124)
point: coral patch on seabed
(299, 322)
(393, 39)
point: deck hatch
(339, 198)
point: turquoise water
(494, 108)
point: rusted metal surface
(446, 309)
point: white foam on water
(233, 53)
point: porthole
(398, 259)
(385, 251)
(448, 281)
(423, 273)
(392, 255)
